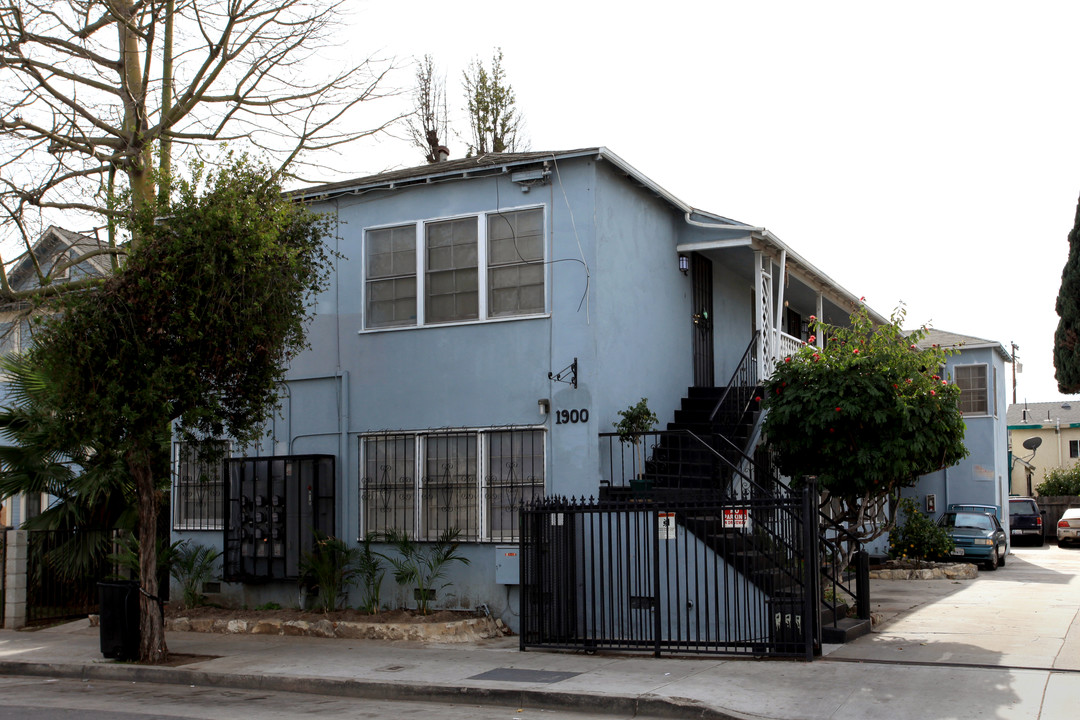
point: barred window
(198, 495)
(515, 474)
(449, 486)
(388, 483)
(471, 481)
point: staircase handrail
(745, 368)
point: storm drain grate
(523, 675)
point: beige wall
(1053, 453)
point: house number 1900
(563, 417)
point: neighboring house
(1057, 426)
(485, 322)
(59, 256)
(982, 478)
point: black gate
(676, 576)
(63, 568)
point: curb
(631, 705)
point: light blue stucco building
(982, 478)
(485, 321)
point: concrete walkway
(1006, 645)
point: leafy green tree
(867, 414)
(1060, 481)
(1067, 335)
(494, 121)
(195, 329)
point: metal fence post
(657, 619)
(862, 585)
(812, 565)
(15, 581)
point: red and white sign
(735, 518)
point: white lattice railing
(787, 345)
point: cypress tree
(1067, 336)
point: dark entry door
(701, 269)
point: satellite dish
(1032, 443)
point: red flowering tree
(867, 414)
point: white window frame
(482, 481)
(482, 269)
(986, 389)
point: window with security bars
(515, 475)
(471, 481)
(388, 483)
(971, 379)
(199, 490)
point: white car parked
(1068, 527)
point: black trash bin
(119, 619)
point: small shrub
(268, 606)
(192, 566)
(1060, 481)
(918, 538)
(331, 567)
(422, 566)
(370, 570)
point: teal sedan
(978, 537)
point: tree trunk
(152, 648)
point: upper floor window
(1074, 448)
(973, 389)
(456, 270)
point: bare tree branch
(87, 91)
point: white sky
(924, 152)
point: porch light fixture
(545, 406)
(684, 264)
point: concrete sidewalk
(926, 661)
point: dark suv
(1025, 520)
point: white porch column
(763, 313)
(819, 341)
(15, 580)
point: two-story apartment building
(486, 321)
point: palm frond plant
(423, 565)
(370, 572)
(43, 452)
(192, 565)
(332, 568)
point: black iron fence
(720, 575)
(63, 568)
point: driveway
(1024, 615)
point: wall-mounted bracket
(567, 375)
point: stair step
(845, 630)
